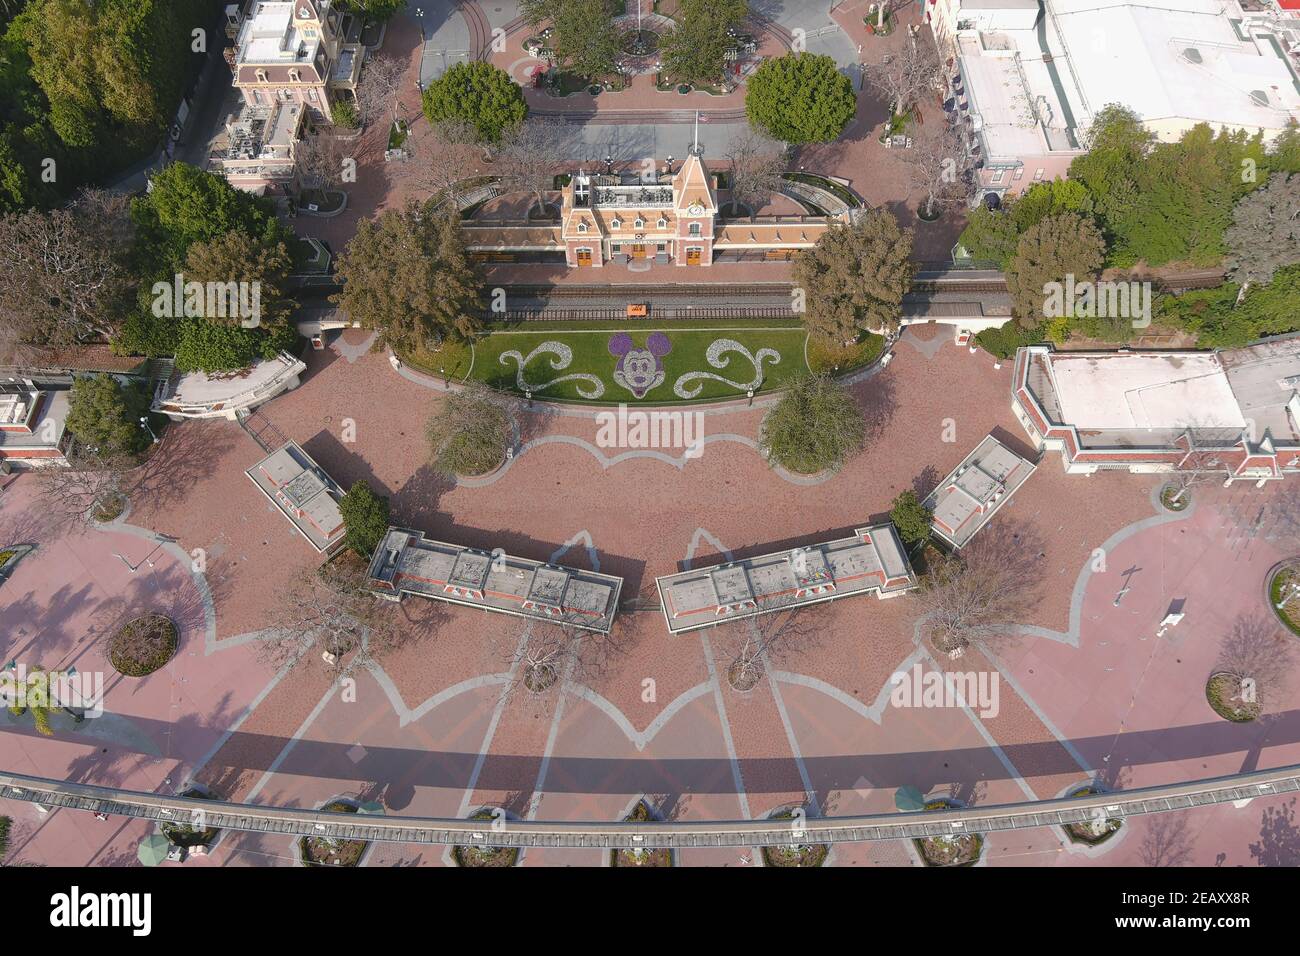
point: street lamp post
(144, 423)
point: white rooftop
(1149, 390)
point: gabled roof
(691, 185)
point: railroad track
(480, 31)
(549, 313)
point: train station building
(625, 219)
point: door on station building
(693, 255)
(637, 250)
(584, 257)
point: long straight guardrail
(702, 833)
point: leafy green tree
(991, 235)
(344, 113)
(239, 257)
(106, 415)
(695, 51)
(379, 11)
(469, 431)
(407, 276)
(1056, 247)
(188, 205)
(855, 277)
(815, 426)
(910, 517)
(1284, 154)
(1265, 231)
(478, 94)
(1223, 317)
(585, 41)
(365, 516)
(209, 347)
(800, 98)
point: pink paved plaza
(441, 726)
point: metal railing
(703, 833)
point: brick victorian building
(1234, 412)
(608, 219)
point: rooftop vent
(1259, 97)
(1193, 55)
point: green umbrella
(153, 849)
(909, 799)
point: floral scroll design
(561, 356)
(690, 384)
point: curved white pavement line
(639, 738)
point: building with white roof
(873, 561)
(304, 493)
(1028, 77)
(1232, 411)
(406, 562)
(32, 427)
(966, 500)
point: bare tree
(380, 86)
(941, 166)
(63, 277)
(1167, 842)
(550, 653)
(754, 642)
(319, 158)
(436, 163)
(1259, 656)
(93, 485)
(1198, 466)
(532, 153)
(333, 612)
(908, 75)
(757, 162)
(982, 591)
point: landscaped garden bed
(143, 645)
(1093, 832)
(196, 832)
(1225, 695)
(1283, 596)
(836, 359)
(110, 509)
(1171, 500)
(955, 849)
(485, 856)
(326, 851)
(642, 857)
(794, 854)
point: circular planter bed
(744, 677)
(187, 834)
(539, 678)
(1171, 503)
(323, 851)
(1223, 693)
(111, 509)
(934, 217)
(1284, 590)
(487, 856)
(794, 854)
(142, 646)
(642, 857)
(1093, 832)
(595, 89)
(640, 42)
(683, 88)
(957, 849)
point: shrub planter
(110, 510)
(1285, 582)
(143, 645)
(189, 835)
(794, 854)
(1091, 833)
(957, 849)
(933, 217)
(1222, 692)
(642, 857)
(1170, 503)
(743, 679)
(323, 851)
(486, 856)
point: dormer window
(582, 227)
(617, 223)
(662, 223)
(640, 223)
(261, 76)
(295, 76)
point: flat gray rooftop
(302, 491)
(967, 498)
(872, 560)
(406, 562)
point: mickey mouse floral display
(639, 370)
